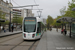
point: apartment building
(23, 13)
(17, 12)
(44, 21)
(30, 14)
(27, 13)
(4, 6)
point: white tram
(32, 28)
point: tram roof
(39, 19)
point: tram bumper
(35, 38)
(30, 38)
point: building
(4, 7)
(27, 13)
(17, 12)
(23, 13)
(44, 21)
(30, 14)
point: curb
(10, 34)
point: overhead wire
(36, 3)
(32, 7)
(18, 4)
(37, 8)
(15, 3)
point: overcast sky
(50, 7)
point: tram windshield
(30, 25)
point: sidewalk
(2, 34)
(52, 40)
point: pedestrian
(62, 31)
(57, 29)
(21, 27)
(12, 27)
(50, 28)
(4, 29)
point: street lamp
(40, 13)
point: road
(15, 42)
(51, 40)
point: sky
(50, 7)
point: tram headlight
(33, 35)
(24, 35)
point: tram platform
(9, 33)
(52, 40)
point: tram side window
(42, 26)
(39, 27)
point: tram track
(29, 46)
(32, 45)
(16, 43)
(9, 38)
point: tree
(69, 12)
(17, 19)
(62, 10)
(55, 23)
(20, 20)
(58, 24)
(49, 21)
(2, 16)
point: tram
(32, 28)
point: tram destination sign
(29, 20)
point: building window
(7, 15)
